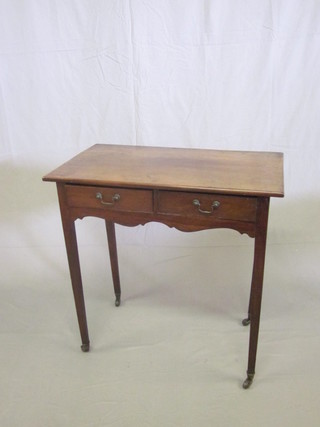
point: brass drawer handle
(215, 205)
(115, 198)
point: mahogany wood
(74, 266)
(235, 208)
(114, 260)
(188, 189)
(228, 172)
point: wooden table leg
(74, 267)
(114, 260)
(256, 286)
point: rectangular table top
(247, 173)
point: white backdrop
(227, 74)
(214, 74)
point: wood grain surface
(229, 172)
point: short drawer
(235, 208)
(112, 198)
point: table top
(247, 173)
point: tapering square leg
(256, 286)
(74, 267)
(114, 260)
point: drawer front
(110, 198)
(235, 208)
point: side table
(189, 189)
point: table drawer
(110, 198)
(236, 208)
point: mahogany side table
(189, 189)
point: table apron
(180, 222)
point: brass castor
(85, 347)
(246, 321)
(248, 381)
(118, 300)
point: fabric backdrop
(240, 75)
(224, 74)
